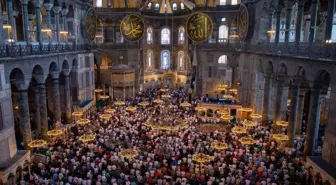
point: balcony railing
(26, 50)
(303, 50)
(316, 51)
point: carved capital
(56, 9)
(37, 3)
(24, 2)
(48, 6)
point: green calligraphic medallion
(91, 24)
(243, 22)
(132, 27)
(199, 27)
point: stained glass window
(165, 36)
(165, 60)
(181, 36)
(149, 35)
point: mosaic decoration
(132, 27)
(199, 27)
(91, 24)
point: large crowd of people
(164, 156)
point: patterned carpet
(212, 127)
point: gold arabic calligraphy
(91, 24)
(199, 27)
(132, 27)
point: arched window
(223, 19)
(149, 6)
(174, 6)
(157, 6)
(222, 60)
(223, 34)
(180, 60)
(181, 35)
(234, 2)
(165, 60)
(182, 6)
(149, 59)
(165, 36)
(222, 2)
(99, 3)
(149, 35)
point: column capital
(64, 12)
(40, 79)
(24, 2)
(54, 75)
(296, 81)
(66, 73)
(21, 85)
(268, 74)
(56, 9)
(37, 3)
(48, 6)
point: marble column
(288, 21)
(48, 6)
(293, 113)
(57, 10)
(37, 4)
(43, 109)
(313, 122)
(270, 25)
(277, 24)
(330, 19)
(67, 97)
(233, 77)
(24, 115)
(300, 112)
(25, 20)
(98, 76)
(298, 27)
(267, 83)
(1, 24)
(37, 115)
(278, 99)
(56, 98)
(314, 8)
(64, 13)
(11, 19)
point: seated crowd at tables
(164, 157)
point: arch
(53, 67)
(149, 35)
(269, 67)
(222, 60)
(157, 6)
(318, 178)
(65, 65)
(283, 68)
(165, 36)
(16, 75)
(182, 6)
(300, 71)
(181, 35)
(64, 5)
(322, 80)
(150, 59)
(149, 6)
(209, 113)
(180, 60)
(174, 6)
(71, 13)
(11, 179)
(223, 33)
(165, 59)
(37, 70)
(74, 62)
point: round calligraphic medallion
(243, 22)
(199, 27)
(132, 27)
(91, 24)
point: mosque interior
(239, 74)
